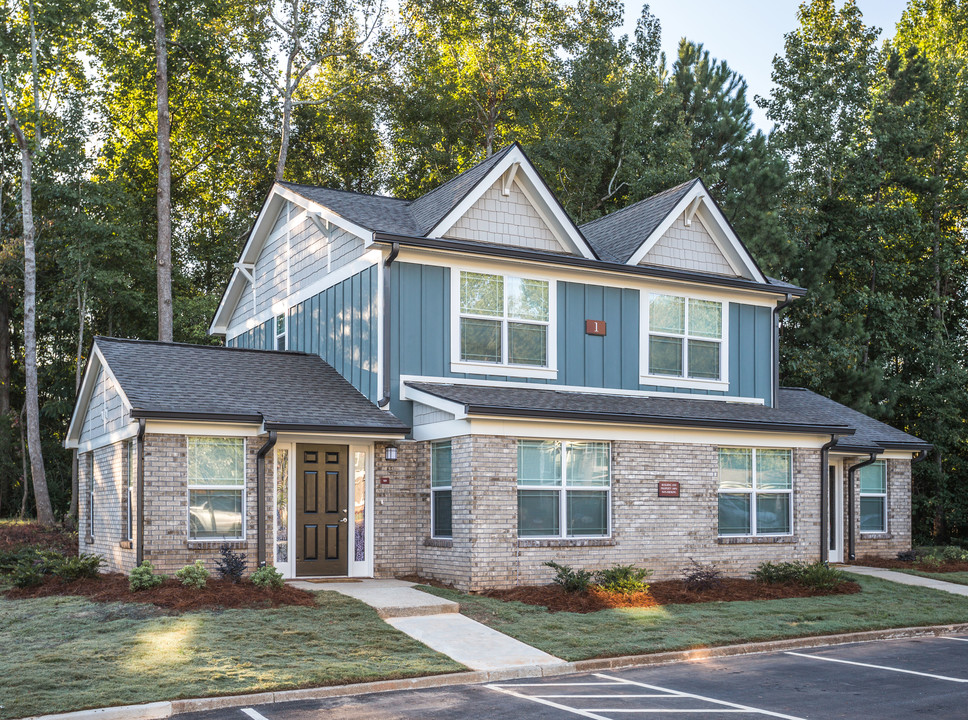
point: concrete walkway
(438, 624)
(906, 579)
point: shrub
(931, 561)
(231, 565)
(817, 576)
(699, 577)
(143, 577)
(194, 575)
(571, 580)
(27, 573)
(268, 578)
(953, 553)
(623, 579)
(75, 568)
(773, 573)
(910, 555)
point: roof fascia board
(540, 196)
(458, 410)
(196, 416)
(457, 246)
(83, 400)
(369, 431)
(228, 303)
(311, 206)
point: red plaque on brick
(594, 327)
(668, 489)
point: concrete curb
(159, 710)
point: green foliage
(570, 579)
(623, 579)
(27, 573)
(699, 576)
(194, 575)
(230, 565)
(143, 577)
(267, 577)
(80, 567)
(817, 576)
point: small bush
(571, 580)
(194, 575)
(623, 579)
(75, 568)
(268, 578)
(143, 577)
(773, 573)
(231, 565)
(931, 561)
(27, 573)
(698, 577)
(817, 576)
(910, 555)
(953, 553)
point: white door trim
(836, 511)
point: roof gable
(688, 245)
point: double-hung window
(873, 498)
(503, 320)
(90, 493)
(280, 332)
(129, 490)
(685, 338)
(216, 488)
(755, 491)
(441, 497)
(563, 489)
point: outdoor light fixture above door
(391, 452)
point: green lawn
(573, 636)
(961, 578)
(65, 653)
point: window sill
(525, 371)
(876, 536)
(757, 540)
(679, 382)
(205, 544)
(125, 544)
(89, 540)
(439, 542)
(566, 542)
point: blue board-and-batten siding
(261, 337)
(420, 307)
(339, 325)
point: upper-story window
(280, 332)
(684, 339)
(504, 320)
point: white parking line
(948, 637)
(253, 714)
(879, 667)
(549, 703)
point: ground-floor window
(90, 494)
(755, 491)
(441, 491)
(216, 488)
(129, 490)
(873, 498)
(563, 489)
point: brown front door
(322, 505)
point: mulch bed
(172, 595)
(895, 564)
(668, 592)
(14, 536)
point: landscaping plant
(27, 573)
(623, 579)
(231, 565)
(571, 580)
(76, 568)
(267, 577)
(698, 577)
(143, 577)
(194, 575)
(818, 575)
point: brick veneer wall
(110, 504)
(659, 533)
(898, 535)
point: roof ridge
(493, 158)
(288, 183)
(139, 341)
(657, 195)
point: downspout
(385, 350)
(851, 554)
(260, 488)
(825, 497)
(140, 538)
(776, 349)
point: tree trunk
(23, 461)
(284, 143)
(165, 311)
(6, 363)
(78, 373)
(35, 75)
(45, 514)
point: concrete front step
(390, 598)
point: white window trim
(647, 378)
(129, 491)
(562, 491)
(753, 492)
(285, 330)
(447, 488)
(882, 496)
(90, 496)
(544, 372)
(243, 487)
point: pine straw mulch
(171, 595)
(667, 592)
(895, 564)
(16, 535)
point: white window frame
(548, 371)
(242, 487)
(440, 488)
(683, 381)
(90, 495)
(882, 496)
(129, 491)
(753, 492)
(284, 317)
(563, 489)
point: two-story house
(467, 385)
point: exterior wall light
(391, 452)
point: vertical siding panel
(735, 341)
(411, 320)
(594, 344)
(562, 329)
(630, 330)
(363, 343)
(612, 342)
(574, 346)
(763, 360)
(314, 325)
(355, 350)
(375, 349)
(432, 357)
(747, 374)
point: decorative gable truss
(696, 236)
(102, 414)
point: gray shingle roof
(619, 234)
(283, 389)
(798, 411)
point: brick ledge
(567, 542)
(781, 540)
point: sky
(747, 34)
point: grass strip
(608, 633)
(65, 653)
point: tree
(163, 255)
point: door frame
(837, 493)
(354, 568)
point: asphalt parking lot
(910, 678)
